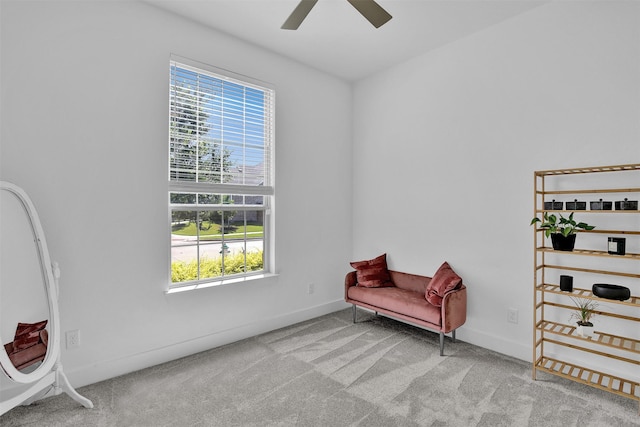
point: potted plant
(561, 230)
(584, 313)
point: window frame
(265, 189)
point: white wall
(84, 106)
(469, 123)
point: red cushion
(398, 300)
(442, 282)
(27, 357)
(373, 273)
(27, 335)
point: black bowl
(604, 290)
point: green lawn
(213, 231)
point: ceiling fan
(368, 8)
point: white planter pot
(585, 331)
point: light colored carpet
(330, 372)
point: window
(221, 129)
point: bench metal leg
(354, 313)
(453, 339)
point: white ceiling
(336, 39)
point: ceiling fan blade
(299, 13)
(372, 11)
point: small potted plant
(584, 313)
(561, 230)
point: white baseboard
(495, 343)
(106, 369)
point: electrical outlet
(73, 338)
(311, 289)
(512, 315)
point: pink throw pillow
(442, 282)
(373, 273)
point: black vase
(563, 243)
(566, 283)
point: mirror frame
(50, 288)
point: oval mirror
(27, 290)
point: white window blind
(221, 133)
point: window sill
(224, 282)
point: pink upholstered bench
(406, 297)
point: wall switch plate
(512, 315)
(311, 289)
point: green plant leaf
(585, 226)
